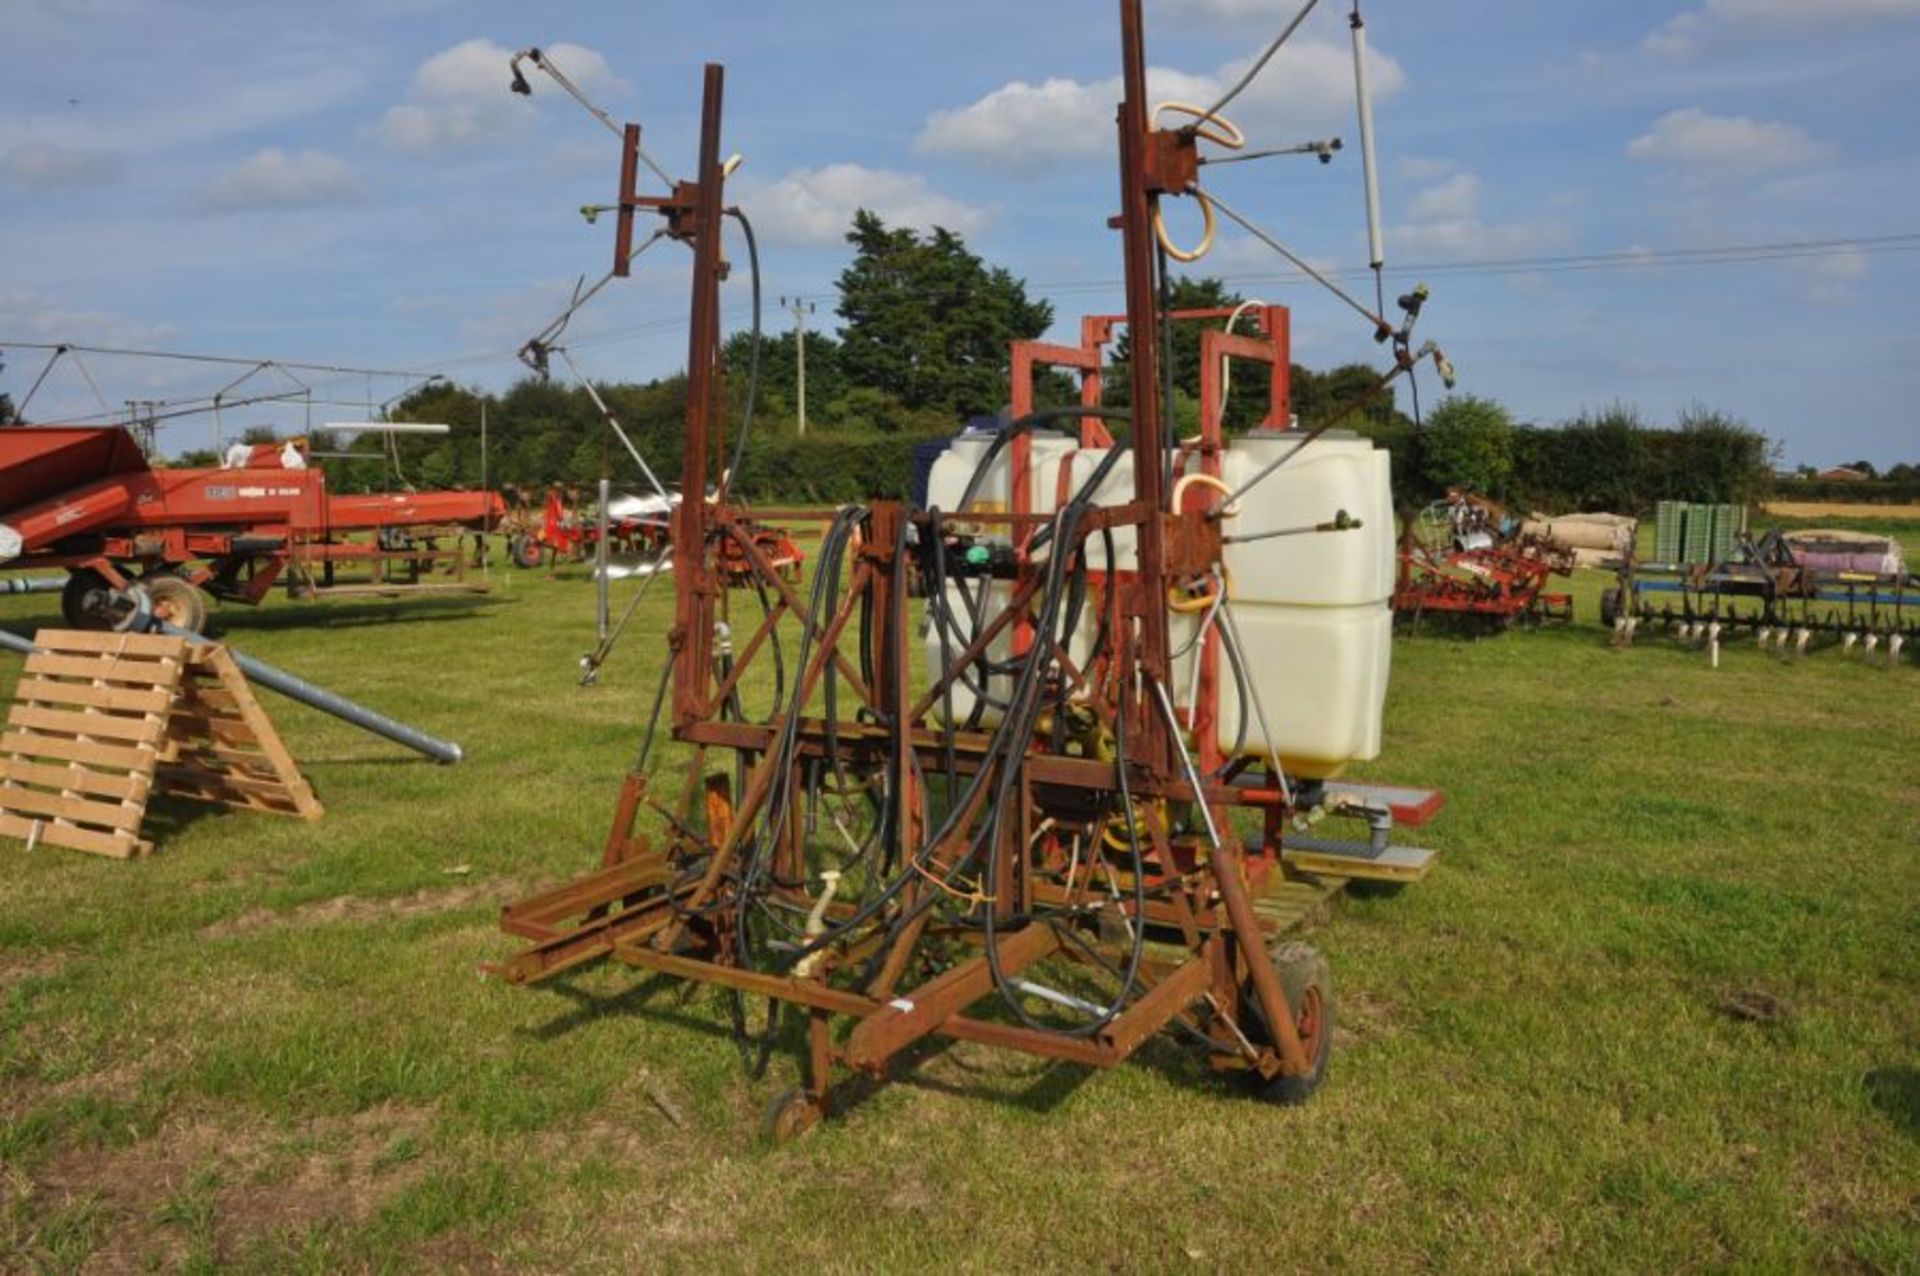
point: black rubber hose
(753, 359)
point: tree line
(922, 347)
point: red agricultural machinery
(638, 531)
(1041, 832)
(140, 541)
(1467, 559)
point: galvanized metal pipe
(297, 688)
(314, 697)
(33, 584)
(603, 615)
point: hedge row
(1856, 491)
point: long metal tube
(296, 688)
(33, 584)
(603, 614)
(1376, 247)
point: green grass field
(1657, 1008)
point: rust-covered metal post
(1140, 186)
(693, 574)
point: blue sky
(351, 182)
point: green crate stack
(1667, 520)
(1698, 535)
(1728, 522)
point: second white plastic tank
(1313, 611)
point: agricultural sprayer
(1076, 810)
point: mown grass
(1658, 1007)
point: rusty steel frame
(937, 946)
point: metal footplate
(1330, 857)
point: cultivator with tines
(1764, 591)
(1467, 559)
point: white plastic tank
(946, 486)
(1313, 611)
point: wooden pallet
(221, 746)
(83, 737)
(100, 722)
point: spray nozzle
(1441, 364)
(519, 84)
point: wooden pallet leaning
(222, 747)
(83, 738)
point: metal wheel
(791, 1114)
(177, 602)
(1308, 983)
(524, 551)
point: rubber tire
(1304, 974)
(73, 598)
(178, 602)
(1609, 607)
(524, 551)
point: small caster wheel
(791, 1114)
(1308, 984)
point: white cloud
(1417, 168)
(48, 164)
(1229, 11)
(66, 393)
(1025, 128)
(816, 205)
(1444, 223)
(274, 178)
(1708, 144)
(146, 115)
(1683, 33)
(459, 96)
(1456, 197)
(1831, 279)
(28, 316)
(1799, 13)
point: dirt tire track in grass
(18, 967)
(200, 1187)
(361, 908)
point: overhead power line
(1618, 259)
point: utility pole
(800, 310)
(143, 420)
